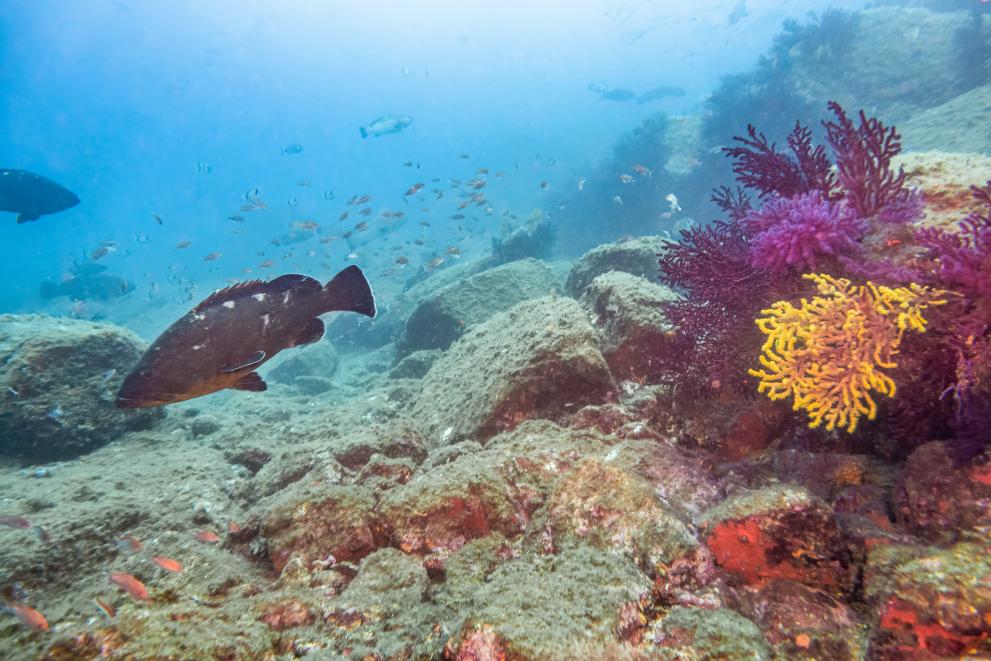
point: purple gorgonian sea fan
(721, 291)
(791, 233)
(863, 156)
(760, 166)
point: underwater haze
(603, 329)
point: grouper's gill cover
(223, 340)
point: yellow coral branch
(829, 352)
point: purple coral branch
(863, 160)
(759, 165)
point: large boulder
(637, 256)
(958, 125)
(60, 378)
(444, 316)
(539, 359)
(628, 311)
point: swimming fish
(620, 95)
(168, 564)
(130, 585)
(223, 340)
(32, 196)
(207, 536)
(291, 149)
(386, 124)
(28, 616)
(101, 286)
(660, 92)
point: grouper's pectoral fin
(250, 381)
(253, 361)
(27, 216)
(311, 333)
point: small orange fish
(168, 564)
(891, 243)
(207, 536)
(130, 585)
(212, 256)
(233, 527)
(107, 609)
(28, 616)
(129, 543)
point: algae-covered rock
(394, 439)
(60, 377)
(536, 360)
(315, 523)
(494, 490)
(415, 365)
(803, 622)
(939, 500)
(958, 125)
(628, 311)
(446, 314)
(937, 603)
(894, 58)
(707, 635)
(546, 606)
(384, 613)
(637, 256)
(778, 532)
(600, 505)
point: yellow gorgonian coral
(829, 353)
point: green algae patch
(699, 634)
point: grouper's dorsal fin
(303, 284)
(232, 293)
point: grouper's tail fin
(349, 291)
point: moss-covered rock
(315, 522)
(637, 256)
(547, 606)
(706, 635)
(536, 360)
(59, 379)
(446, 314)
(935, 603)
(598, 504)
(628, 312)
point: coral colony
(826, 258)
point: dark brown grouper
(32, 196)
(223, 340)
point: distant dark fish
(597, 87)
(621, 95)
(32, 196)
(291, 149)
(223, 340)
(739, 12)
(660, 92)
(386, 124)
(99, 286)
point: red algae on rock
(778, 532)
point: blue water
(122, 101)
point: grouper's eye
(146, 374)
